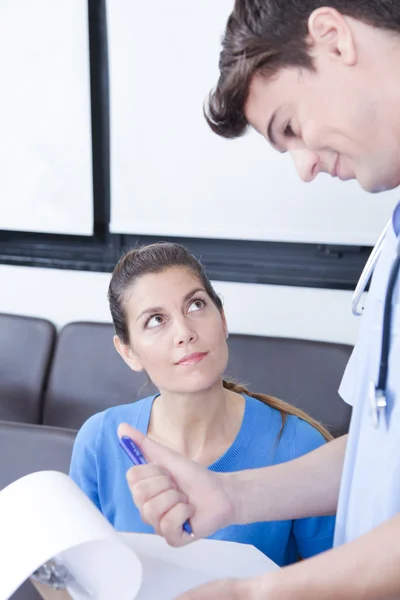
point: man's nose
(307, 163)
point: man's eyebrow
(270, 129)
(271, 135)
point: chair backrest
(305, 373)
(88, 376)
(26, 346)
(29, 448)
(26, 449)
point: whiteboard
(45, 122)
(170, 175)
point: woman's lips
(192, 359)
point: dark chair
(88, 376)
(305, 373)
(29, 448)
(26, 449)
(26, 346)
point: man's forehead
(274, 87)
(262, 102)
(268, 95)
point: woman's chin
(196, 385)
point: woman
(170, 323)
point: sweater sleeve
(83, 468)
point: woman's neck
(201, 426)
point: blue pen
(138, 459)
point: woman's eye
(196, 305)
(154, 321)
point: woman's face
(177, 334)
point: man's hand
(363, 569)
(255, 588)
(162, 498)
(223, 589)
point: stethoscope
(378, 392)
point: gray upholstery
(304, 373)
(88, 376)
(26, 346)
(31, 448)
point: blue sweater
(99, 466)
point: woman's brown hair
(156, 258)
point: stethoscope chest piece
(377, 404)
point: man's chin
(378, 189)
(379, 186)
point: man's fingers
(146, 489)
(211, 507)
(142, 472)
(154, 510)
(171, 524)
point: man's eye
(288, 131)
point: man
(321, 83)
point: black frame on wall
(279, 263)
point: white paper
(163, 580)
(180, 569)
(44, 515)
(220, 559)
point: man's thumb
(152, 451)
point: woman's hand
(171, 489)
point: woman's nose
(307, 163)
(185, 334)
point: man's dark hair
(264, 36)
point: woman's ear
(128, 355)
(224, 324)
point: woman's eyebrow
(155, 309)
(193, 292)
(159, 309)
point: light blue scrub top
(370, 488)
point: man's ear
(128, 355)
(330, 32)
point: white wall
(170, 175)
(45, 120)
(64, 296)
